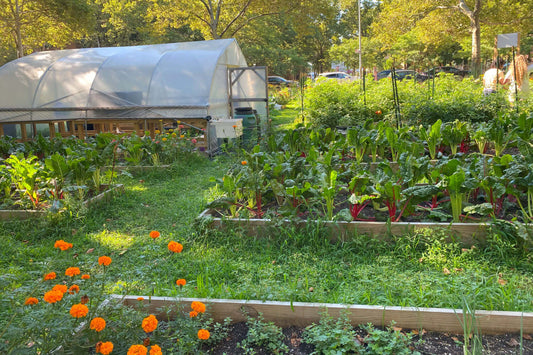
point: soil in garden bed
(432, 343)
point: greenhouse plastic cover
(174, 80)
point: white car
(339, 75)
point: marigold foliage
(175, 247)
(98, 324)
(79, 310)
(149, 324)
(137, 349)
(203, 334)
(104, 260)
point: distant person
(520, 84)
(493, 77)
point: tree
(30, 24)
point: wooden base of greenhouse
(302, 314)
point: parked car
(383, 74)
(339, 75)
(402, 74)
(450, 70)
(279, 81)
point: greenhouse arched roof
(152, 81)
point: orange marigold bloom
(137, 349)
(72, 271)
(31, 300)
(154, 234)
(181, 282)
(198, 306)
(193, 314)
(79, 310)
(50, 276)
(149, 323)
(244, 162)
(104, 260)
(175, 247)
(140, 299)
(61, 244)
(53, 296)
(203, 334)
(156, 350)
(84, 299)
(86, 276)
(73, 289)
(60, 288)
(104, 348)
(97, 324)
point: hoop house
(144, 84)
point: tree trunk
(475, 28)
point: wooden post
(61, 127)
(52, 129)
(1, 129)
(23, 134)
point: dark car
(383, 74)
(449, 70)
(402, 74)
(279, 81)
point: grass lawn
(291, 265)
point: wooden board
(302, 314)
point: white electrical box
(227, 128)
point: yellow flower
(79, 310)
(164, 139)
(157, 131)
(104, 348)
(50, 276)
(104, 260)
(137, 349)
(182, 136)
(198, 306)
(203, 334)
(98, 324)
(155, 350)
(175, 247)
(30, 301)
(53, 296)
(72, 271)
(149, 324)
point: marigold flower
(198, 306)
(140, 299)
(203, 334)
(61, 244)
(72, 271)
(234, 126)
(154, 234)
(86, 276)
(84, 299)
(174, 135)
(244, 162)
(164, 139)
(30, 301)
(60, 288)
(149, 324)
(104, 260)
(79, 310)
(50, 276)
(157, 131)
(156, 350)
(193, 314)
(175, 247)
(97, 324)
(181, 282)
(53, 296)
(137, 349)
(182, 136)
(146, 341)
(104, 348)
(378, 112)
(73, 289)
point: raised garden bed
(466, 233)
(302, 314)
(107, 192)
